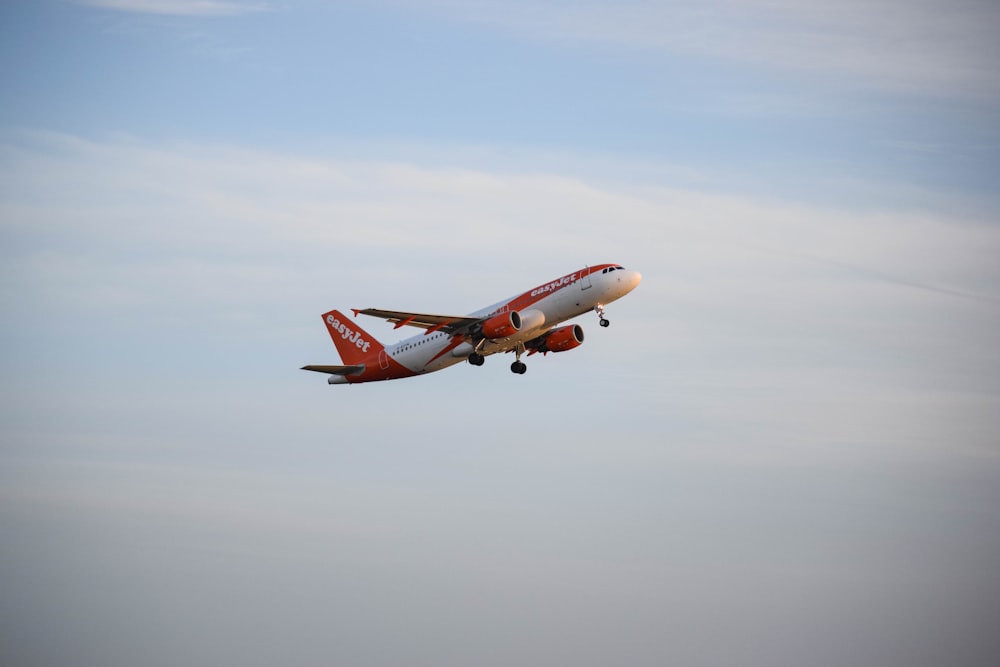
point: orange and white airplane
(524, 323)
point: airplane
(525, 323)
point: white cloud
(145, 206)
(181, 7)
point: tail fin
(353, 343)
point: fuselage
(541, 309)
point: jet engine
(502, 325)
(562, 339)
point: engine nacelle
(563, 338)
(531, 319)
(502, 325)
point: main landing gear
(518, 366)
(600, 313)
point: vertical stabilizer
(353, 343)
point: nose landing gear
(600, 313)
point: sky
(785, 450)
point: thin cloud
(234, 204)
(929, 47)
(181, 7)
(879, 275)
(126, 232)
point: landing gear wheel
(476, 359)
(604, 322)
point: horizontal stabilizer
(337, 370)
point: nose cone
(634, 279)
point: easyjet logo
(554, 285)
(347, 333)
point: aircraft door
(383, 360)
(585, 279)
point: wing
(336, 370)
(456, 325)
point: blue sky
(783, 451)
